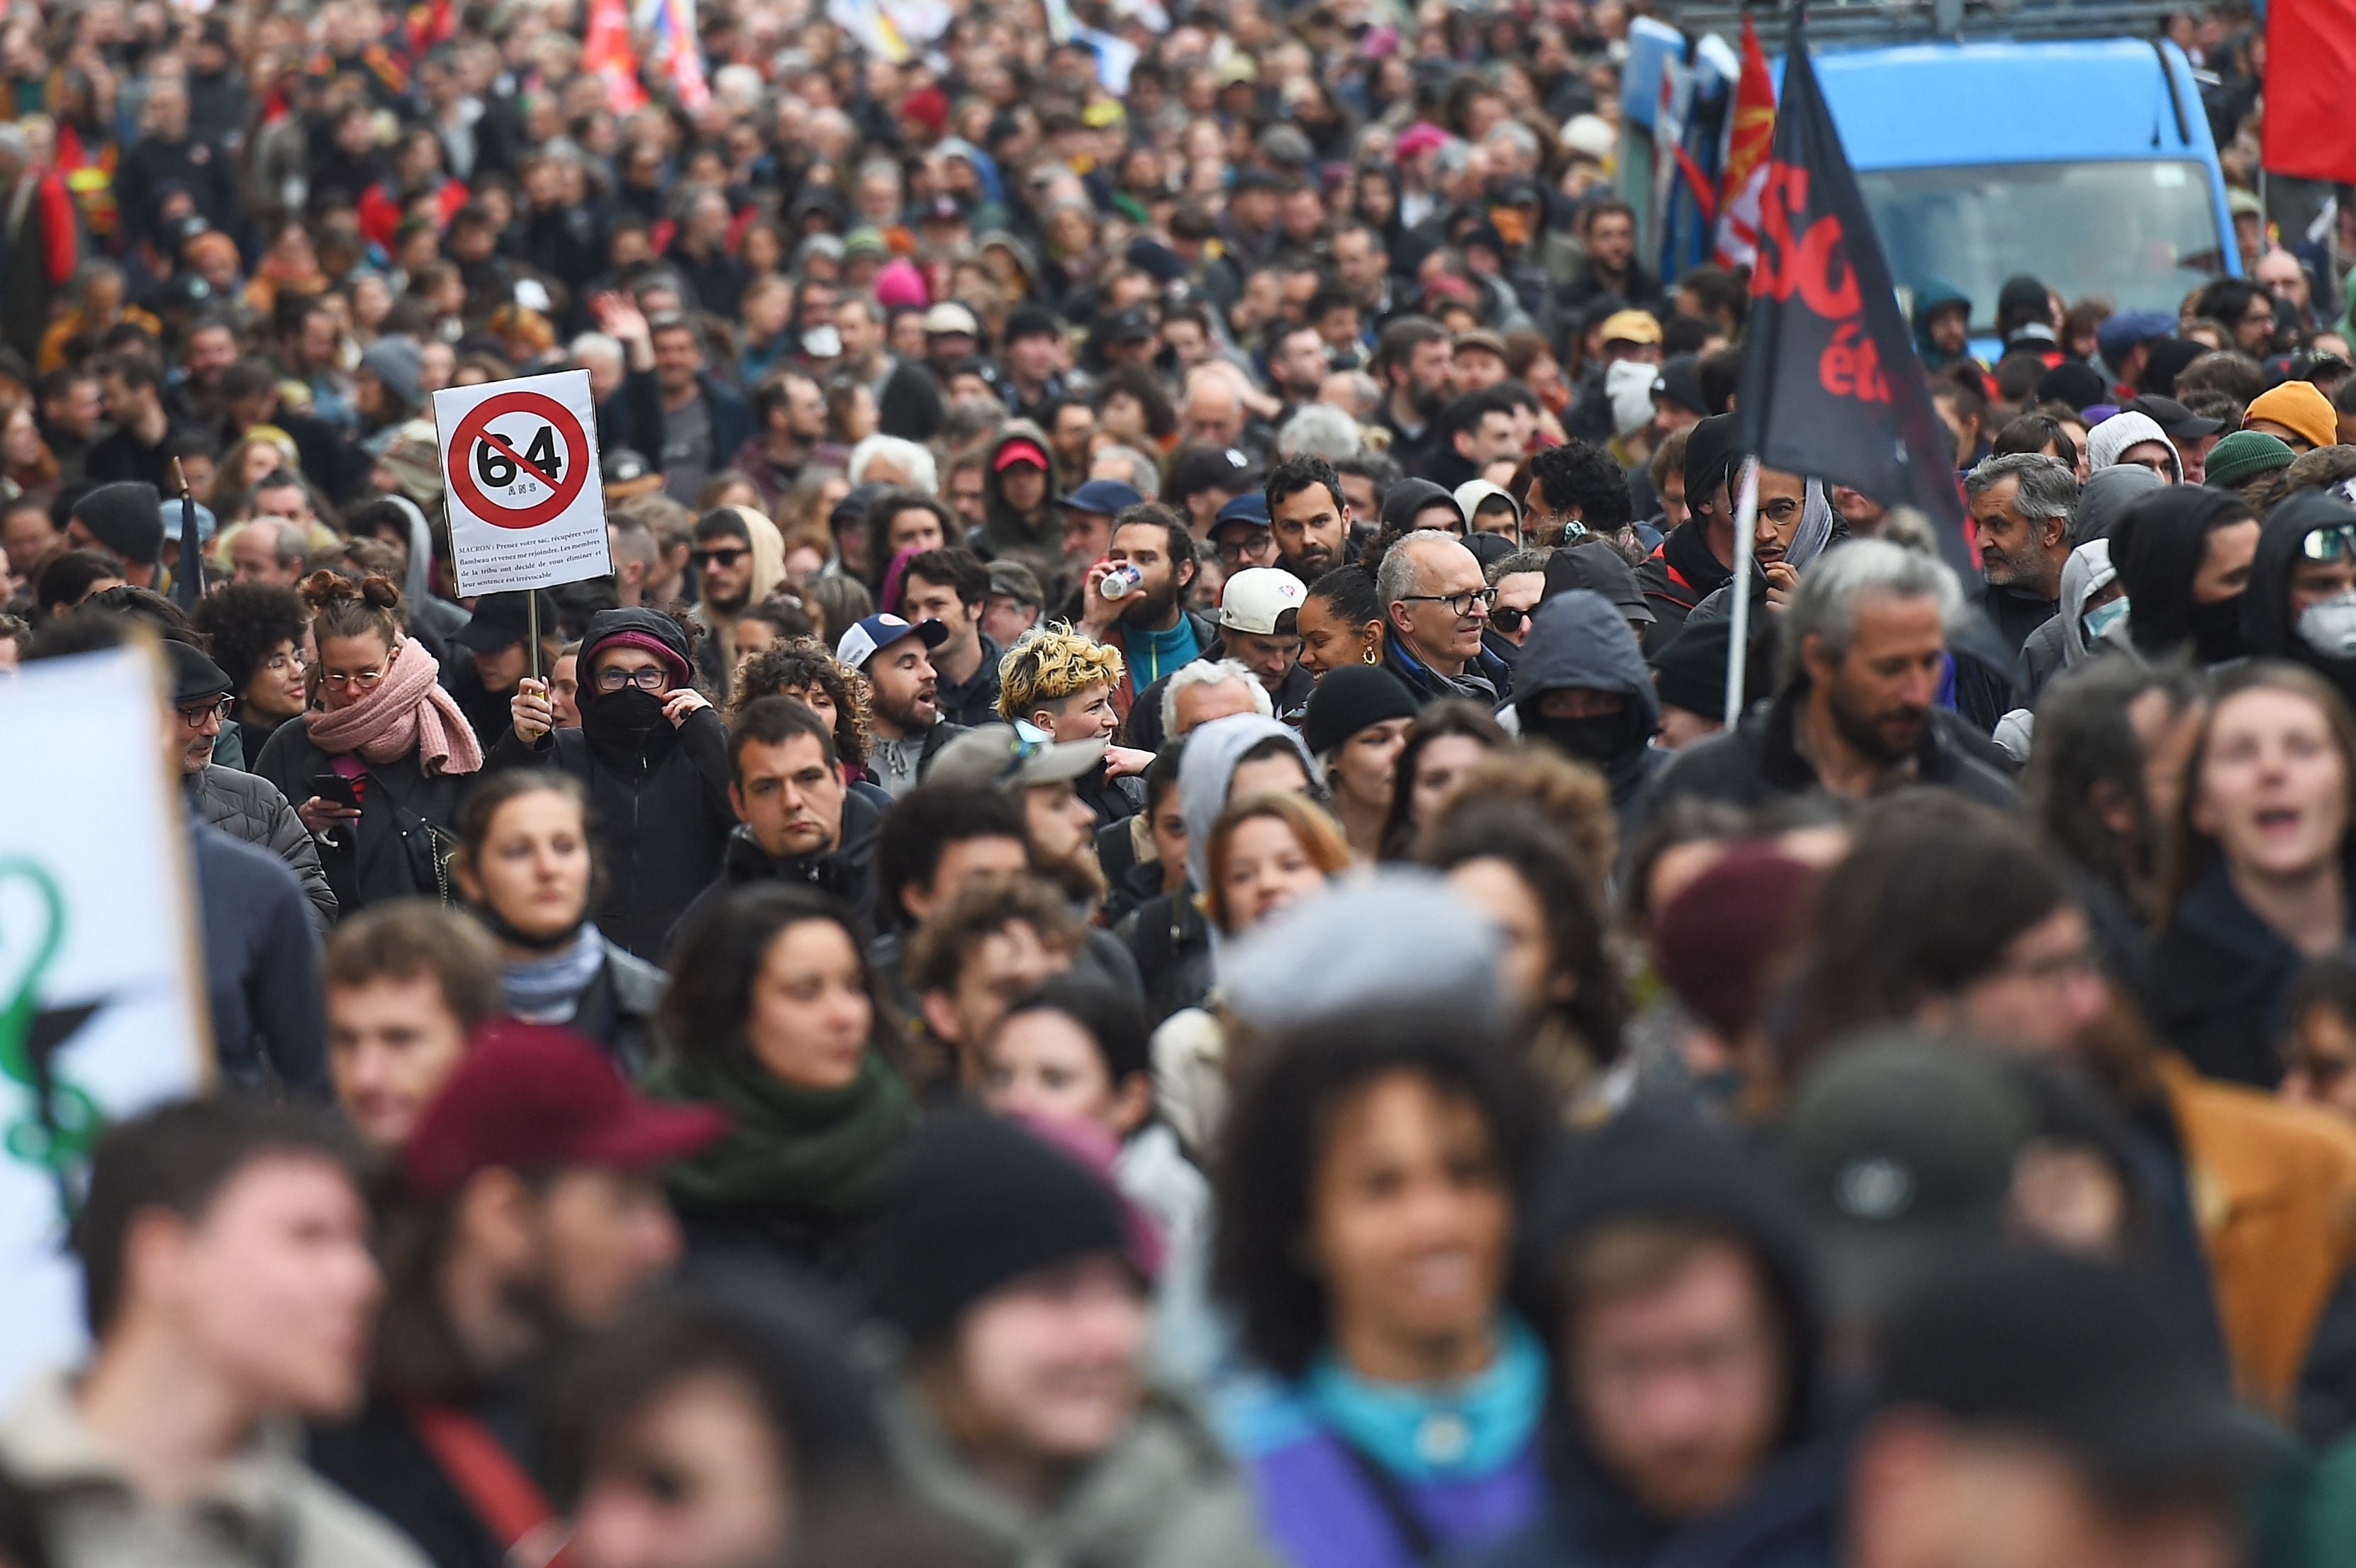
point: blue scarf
(547, 989)
(1438, 1432)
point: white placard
(520, 476)
(99, 970)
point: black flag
(1831, 386)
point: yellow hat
(1631, 326)
(2301, 409)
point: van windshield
(2140, 234)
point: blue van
(2085, 163)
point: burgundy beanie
(1716, 941)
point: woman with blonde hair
(1061, 684)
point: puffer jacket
(248, 807)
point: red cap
(534, 1095)
(1015, 451)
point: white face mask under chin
(2328, 626)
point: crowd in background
(1129, 934)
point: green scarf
(824, 1152)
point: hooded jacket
(424, 608)
(847, 871)
(1580, 639)
(1661, 1162)
(2267, 625)
(715, 655)
(1003, 534)
(2061, 643)
(2105, 496)
(1936, 295)
(1209, 768)
(660, 791)
(2156, 548)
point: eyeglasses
(1459, 605)
(2335, 543)
(194, 718)
(1507, 618)
(279, 664)
(365, 679)
(650, 679)
(722, 559)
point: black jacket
(261, 966)
(248, 807)
(1170, 941)
(2267, 625)
(2219, 977)
(626, 420)
(664, 818)
(848, 870)
(407, 827)
(1757, 761)
(976, 701)
(1679, 574)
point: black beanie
(978, 1204)
(1690, 672)
(127, 517)
(1709, 455)
(1349, 700)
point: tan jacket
(264, 1509)
(2274, 1191)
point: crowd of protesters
(1129, 935)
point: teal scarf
(1438, 1432)
(819, 1151)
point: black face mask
(627, 729)
(2217, 630)
(1600, 740)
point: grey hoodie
(2106, 498)
(1580, 639)
(437, 615)
(1209, 766)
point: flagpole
(1738, 646)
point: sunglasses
(722, 559)
(1507, 619)
(2335, 543)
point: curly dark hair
(1582, 474)
(799, 664)
(1578, 930)
(1276, 1136)
(246, 622)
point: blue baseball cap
(2119, 336)
(1107, 498)
(1249, 508)
(871, 636)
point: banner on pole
(520, 474)
(1831, 385)
(102, 1009)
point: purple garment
(1318, 1507)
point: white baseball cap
(1258, 597)
(862, 640)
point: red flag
(607, 52)
(2310, 60)
(1751, 134)
(1831, 386)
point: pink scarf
(408, 712)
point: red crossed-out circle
(475, 427)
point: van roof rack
(1856, 22)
